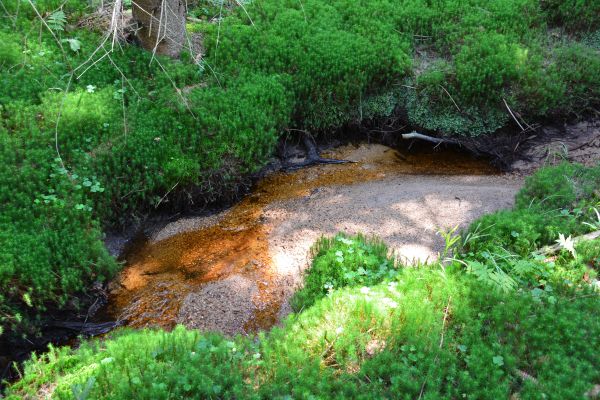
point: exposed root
(86, 328)
(312, 155)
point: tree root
(86, 328)
(312, 155)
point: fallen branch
(416, 135)
(551, 250)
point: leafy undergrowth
(94, 139)
(560, 200)
(368, 327)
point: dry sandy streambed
(234, 272)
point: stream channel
(234, 271)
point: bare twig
(244, 8)
(513, 115)
(219, 29)
(192, 19)
(166, 194)
(446, 312)
(451, 98)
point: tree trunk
(161, 25)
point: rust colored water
(159, 275)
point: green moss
(559, 187)
(485, 65)
(422, 331)
(573, 15)
(344, 261)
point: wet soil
(234, 272)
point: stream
(234, 271)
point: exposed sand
(405, 211)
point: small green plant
(57, 21)
(451, 242)
(594, 225)
(567, 243)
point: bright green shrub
(160, 365)
(554, 200)
(486, 64)
(227, 134)
(558, 187)
(577, 67)
(51, 245)
(573, 15)
(499, 248)
(584, 266)
(330, 64)
(522, 230)
(443, 335)
(540, 89)
(10, 51)
(517, 21)
(543, 339)
(343, 261)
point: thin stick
(166, 194)
(60, 110)
(243, 8)
(513, 115)
(451, 98)
(446, 312)
(303, 12)
(219, 30)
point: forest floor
(234, 272)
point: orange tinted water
(159, 275)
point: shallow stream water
(162, 270)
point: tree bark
(161, 25)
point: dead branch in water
(420, 136)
